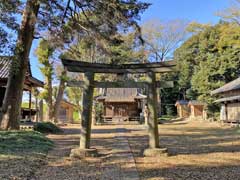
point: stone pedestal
(82, 153)
(155, 152)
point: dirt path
(199, 150)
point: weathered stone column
(152, 107)
(87, 111)
(154, 148)
(86, 120)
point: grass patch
(23, 142)
(47, 127)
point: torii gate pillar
(85, 136)
(154, 148)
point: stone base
(155, 152)
(82, 153)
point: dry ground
(198, 150)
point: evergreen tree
(209, 59)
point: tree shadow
(188, 172)
(192, 141)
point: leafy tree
(209, 59)
(44, 53)
(62, 77)
(195, 27)
(169, 96)
(39, 16)
(8, 25)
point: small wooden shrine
(65, 114)
(197, 109)
(122, 103)
(183, 109)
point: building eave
(228, 99)
(231, 86)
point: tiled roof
(182, 102)
(228, 99)
(233, 85)
(121, 95)
(5, 63)
(196, 103)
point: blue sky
(202, 11)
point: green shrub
(47, 127)
(170, 110)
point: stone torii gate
(88, 84)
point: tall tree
(44, 53)
(60, 91)
(41, 15)
(13, 96)
(162, 38)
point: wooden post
(87, 110)
(37, 109)
(41, 110)
(152, 106)
(30, 104)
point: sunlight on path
(116, 161)
(198, 150)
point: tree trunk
(59, 97)
(49, 97)
(13, 96)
